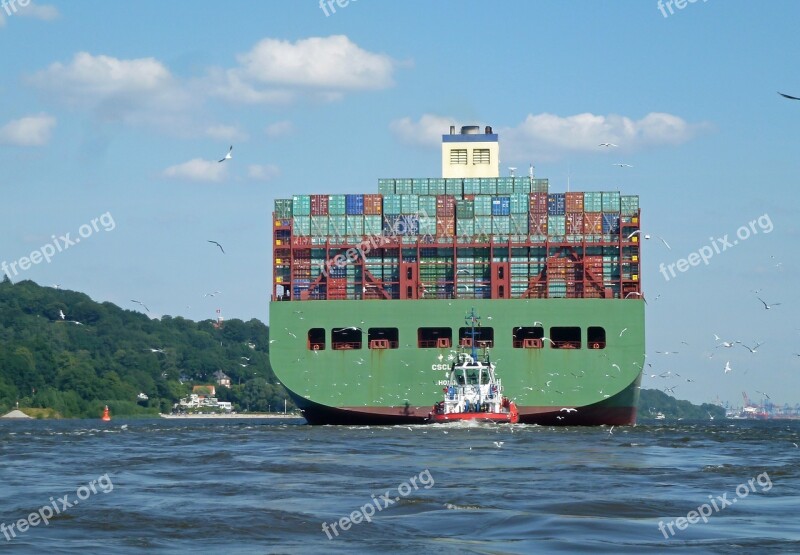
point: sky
(114, 116)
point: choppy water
(250, 486)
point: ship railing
(566, 344)
(346, 346)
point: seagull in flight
(607, 144)
(762, 393)
(568, 410)
(754, 349)
(623, 331)
(787, 96)
(61, 314)
(728, 367)
(290, 333)
(220, 246)
(637, 294)
(212, 294)
(229, 155)
(639, 231)
(141, 303)
(767, 306)
(621, 165)
(498, 444)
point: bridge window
(434, 338)
(383, 338)
(484, 337)
(596, 337)
(458, 156)
(528, 337)
(346, 338)
(565, 338)
(316, 339)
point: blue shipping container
(556, 204)
(354, 205)
(501, 206)
(610, 223)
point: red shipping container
(538, 203)
(319, 205)
(574, 222)
(469, 197)
(592, 223)
(373, 205)
(446, 206)
(574, 202)
(538, 222)
(445, 227)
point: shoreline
(250, 415)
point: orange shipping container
(319, 205)
(445, 206)
(445, 227)
(574, 222)
(538, 222)
(373, 205)
(574, 203)
(538, 203)
(593, 223)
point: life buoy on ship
(596, 346)
(316, 346)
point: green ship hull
(394, 386)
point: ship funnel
(470, 129)
(488, 130)
(452, 129)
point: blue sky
(124, 110)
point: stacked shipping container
(454, 230)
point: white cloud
(279, 129)
(427, 131)
(276, 71)
(226, 133)
(28, 131)
(44, 12)
(263, 172)
(548, 136)
(134, 91)
(197, 169)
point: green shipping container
(454, 186)
(427, 226)
(472, 186)
(283, 208)
(409, 204)
(386, 186)
(518, 224)
(301, 205)
(391, 204)
(419, 186)
(592, 202)
(319, 226)
(520, 203)
(427, 205)
(502, 225)
(556, 226)
(505, 185)
(465, 227)
(404, 186)
(373, 225)
(355, 225)
(540, 185)
(483, 205)
(337, 226)
(483, 225)
(629, 205)
(488, 185)
(611, 201)
(465, 209)
(301, 225)
(437, 186)
(337, 205)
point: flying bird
(220, 246)
(569, 410)
(498, 444)
(728, 367)
(754, 349)
(623, 331)
(637, 294)
(141, 303)
(606, 144)
(61, 314)
(229, 155)
(621, 165)
(767, 306)
(787, 96)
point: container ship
(370, 292)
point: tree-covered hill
(653, 401)
(101, 354)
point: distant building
(204, 390)
(223, 380)
(195, 401)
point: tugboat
(472, 391)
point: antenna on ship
(511, 170)
(530, 172)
